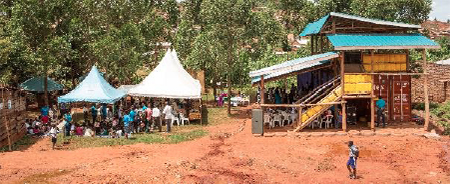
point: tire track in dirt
(217, 173)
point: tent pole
(201, 111)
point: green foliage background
(225, 38)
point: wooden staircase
(326, 93)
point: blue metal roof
(315, 27)
(303, 67)
(380, 41)
(293, 66)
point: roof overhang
(294, 65)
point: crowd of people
(112, 121)
(282, 95)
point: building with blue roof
(354, 62)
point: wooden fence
(12, 116)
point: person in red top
(79, 131)
(44, 120)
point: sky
(440, 10)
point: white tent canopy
(168, 80)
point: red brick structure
(439, 81)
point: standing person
(68, 125)
(278, 99)
(353, 157)
(156, 117)
(126, 124)
(148, 118)
(94, 113)
(104, 112)
(381, 104)
(132, 116)
(53, 132)
(85, 113)
(167, 115)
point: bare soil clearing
(230, 154)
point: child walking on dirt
(53, 132)
(351, 163)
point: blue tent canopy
(94, 88)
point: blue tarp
(94, 88)
(37, 84)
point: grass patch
(25, 141)
(155, 138)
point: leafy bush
(443, 114)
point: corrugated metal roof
(303, 67)
(380, 41)
(292, 65)
(315, 27)
(375, 21)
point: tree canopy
(225, 38)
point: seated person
(88, 132)
(79, 131)
(37, 131)
(104, 132)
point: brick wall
(436, 84)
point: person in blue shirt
(104, 111)
(44, 111)
(126, 124)
(94, 113)
(68, 118)
(381, 105)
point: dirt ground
(230, 154)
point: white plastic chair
(285, 118)
(268, 120)
(183, 119)
(277, 118)
(174, 118)
(328, 121)
(293, 117)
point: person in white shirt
(53, 132)
(156, 117)
(168, 115)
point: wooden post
(7, 123)
(425, 88)
(407, 60)
(372, 107)
(262, 90)
(201, 110)
(333, 24)
(371, 60)
(312, 44)
(344, 113)
(300, 109)
(321, 44)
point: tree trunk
(46, 89)
(214, 91)
(230, 71)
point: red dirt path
(232, 155)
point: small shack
(354, 60)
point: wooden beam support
(344, 115)
(371, 60)
(372, 106)
(262, 88)
(425, 88)
(300, 114)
